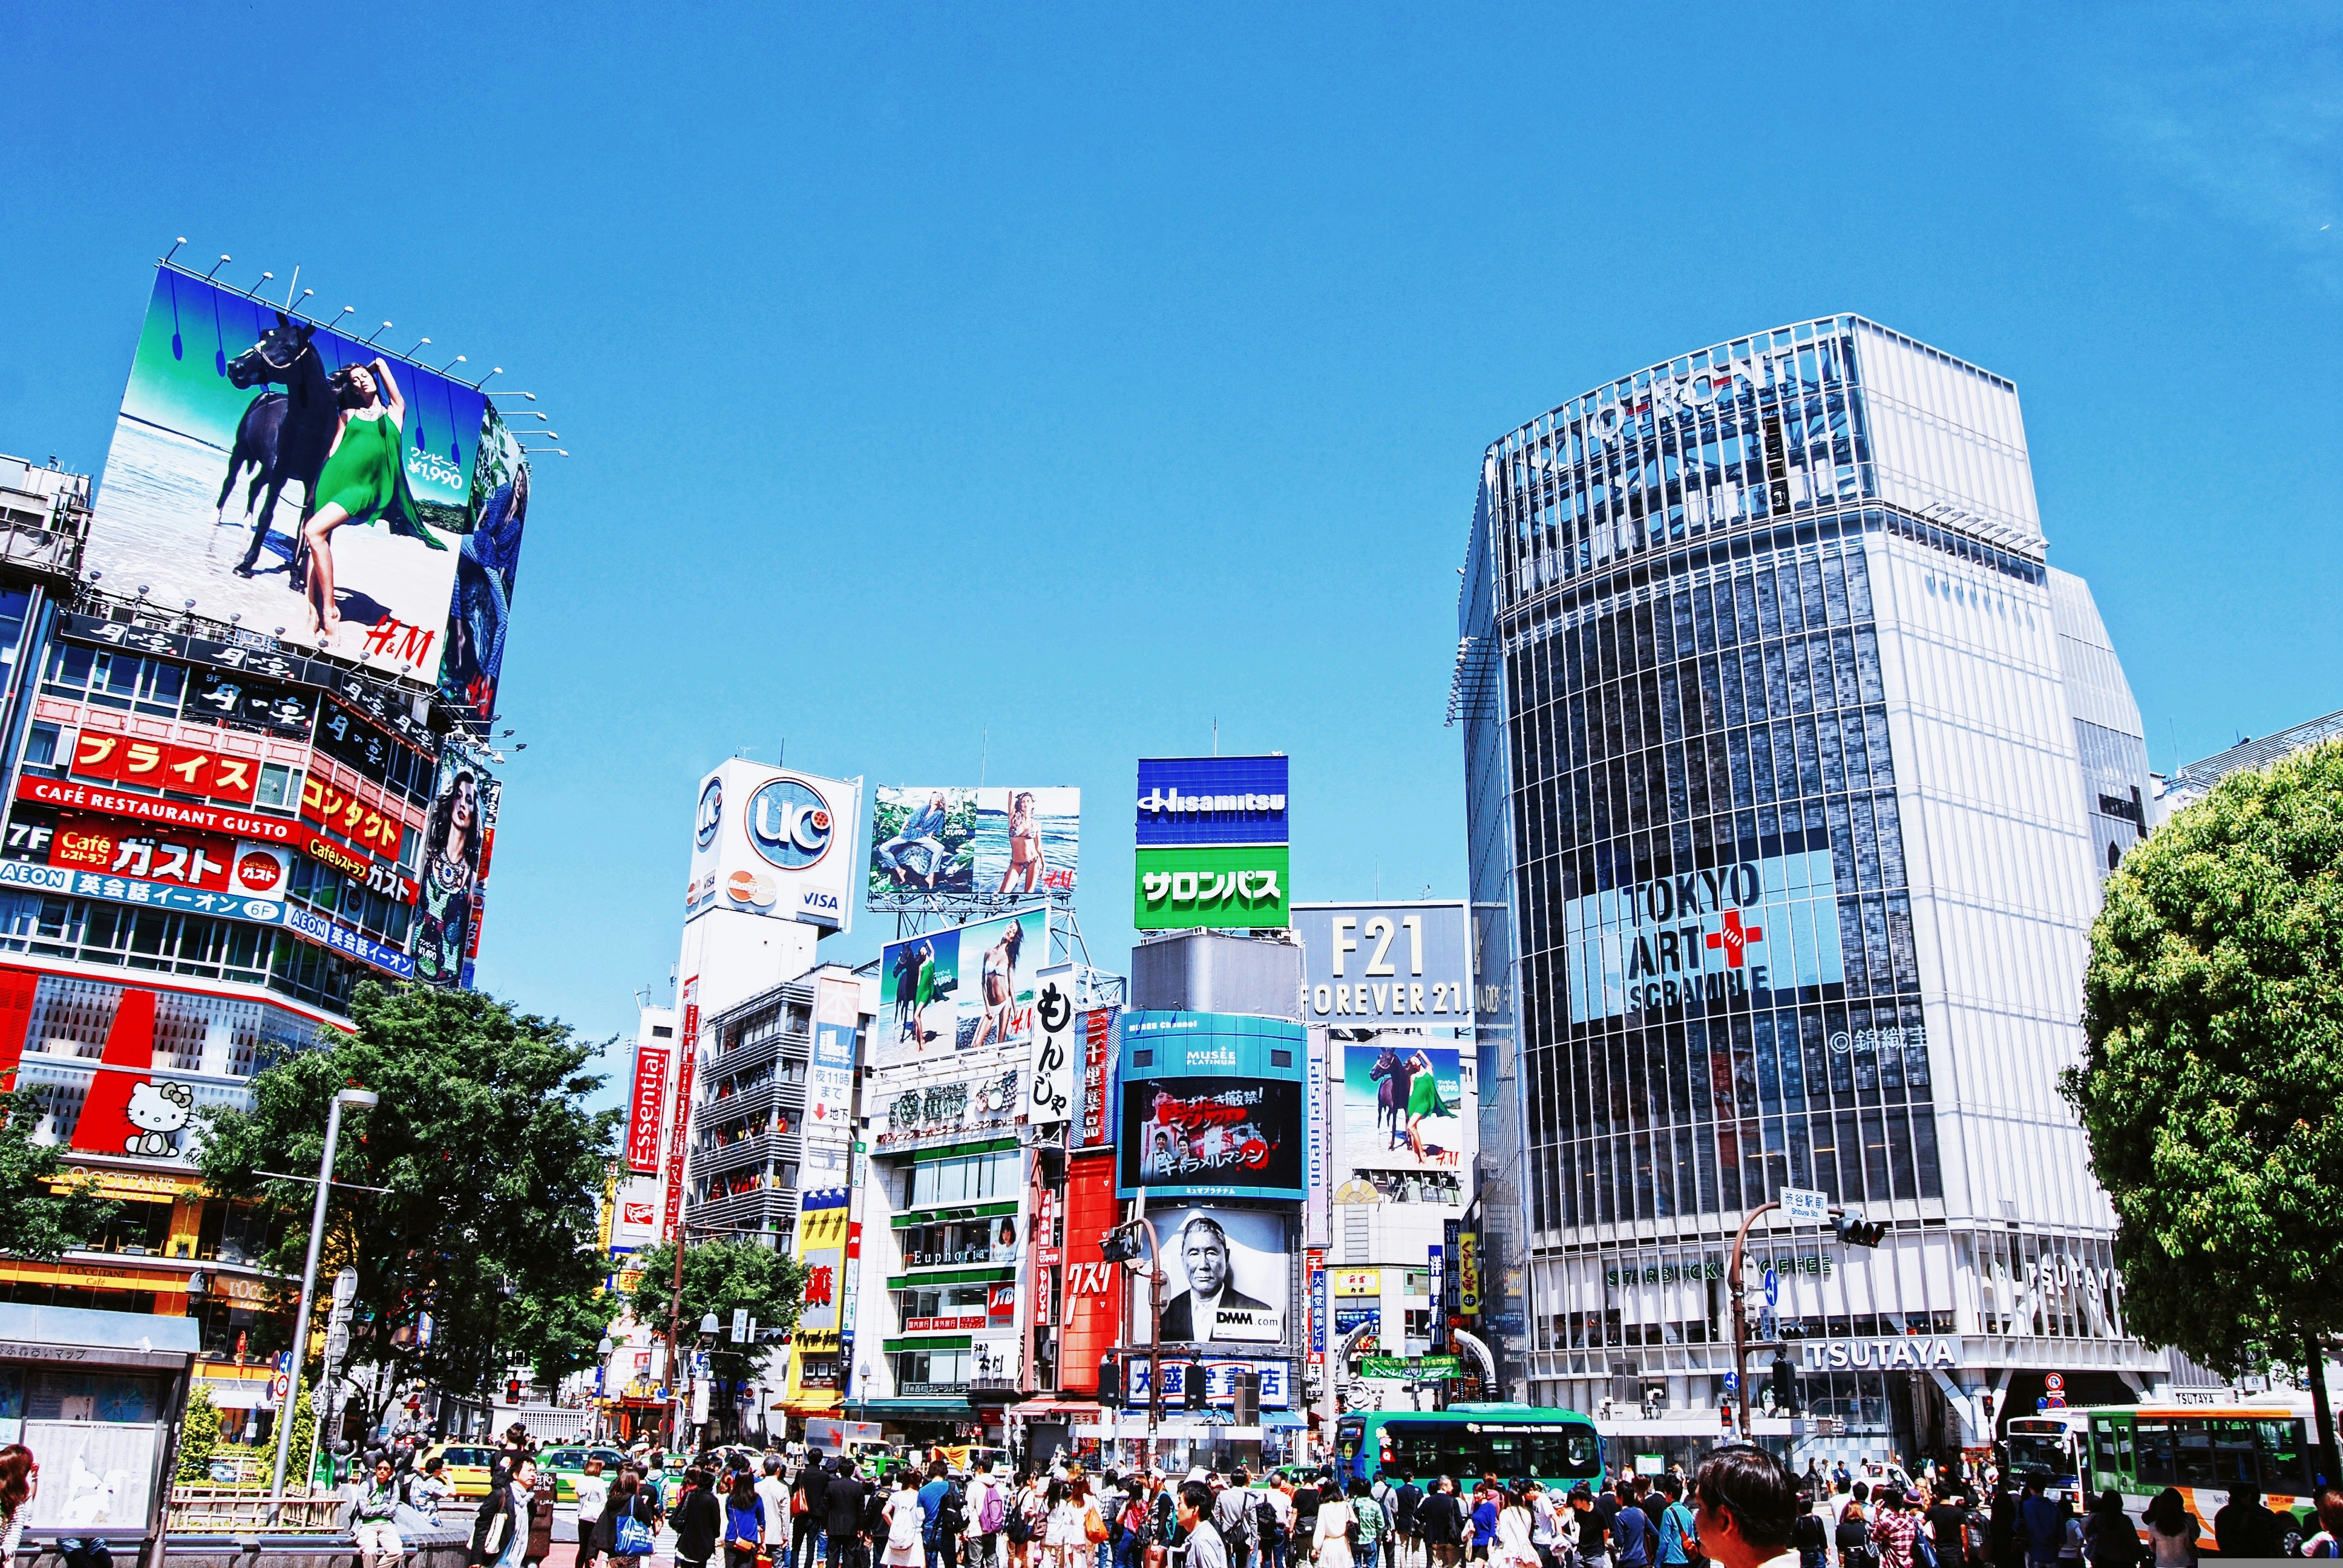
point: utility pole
(1806, 1207)
(359, 1099)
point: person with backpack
(1407, 1539)
(1373, 1524)
(1678, 1546)
(987, 1516)
(1854, 1532)
(1301, 1530)
(1234, 1520)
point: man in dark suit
(1204, 1253)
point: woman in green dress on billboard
(364, 481)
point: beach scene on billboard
(278, 471)
(999, 842)
(967, 989)
(1402, 1104)
(1228, 1274)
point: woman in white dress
(1332, 1538)
(906, 1524)
(1065, 1540)
(1516, 1525)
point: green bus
(1554, 1447)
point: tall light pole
(360, 1098)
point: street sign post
(1772, 1287)
(1805, 1206)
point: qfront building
(1793, 770)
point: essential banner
(964, 989)
(272, 468)
(973, 848)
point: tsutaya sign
(1913, 1353)
(1679, 942)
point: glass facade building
(1792, 770)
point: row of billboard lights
(235, 617)
(352, 310)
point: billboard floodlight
(223, 261)
(175, 248)
(451, 365)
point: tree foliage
(2214, 1069)
(34, 1221)
(493, 1168)
(718, 1277)
(199, 1436)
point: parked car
(467, 1465)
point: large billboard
(1211, 1105)
(1210, 836)
(1211, 801)
(1398, 965)
(773, 841)
(1402, 1104)
(1228, 1275)
(486, 569)
(459, 840)
(961, 990)
(278, 472)
(972, 847)
(814, 1349)
(1703, 939)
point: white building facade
(1793, 770)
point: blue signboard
(1211, 801)
(1213, 1105)
(193, 900)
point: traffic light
(1193, 1384)
(1784, 1386)
(1119, 1245)
(512, 1390)
(1110, 1382)
(1854, 1231)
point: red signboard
(253, 825)
(1094, 1292)
(643, 1114)
(160, 765)
(1098, 1049)
(943, 1325)
(672, 1221)
(151, 854)
(368, 827)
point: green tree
(199, 1435)
(718, 1277)
(2213, 1070)
(491, 1166)
(36, 1221)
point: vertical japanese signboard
(829, 1083)
(671, 1221)
(1096, 1127)
(822, 1248)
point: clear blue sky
(1082, 374)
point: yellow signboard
(1357, 1282)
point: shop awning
(1284, 1421)
(880, 1409)
(1056, 1410)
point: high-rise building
(246, 768)
(1793, 770)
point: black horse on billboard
(284, 435)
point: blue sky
(1046, 384)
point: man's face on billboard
(1207, 1259)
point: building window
(276, 787)
(959, 1241)
(964, 1178)
(920, 1373)
(138, 1229)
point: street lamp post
(358, 1098)
(1115, 1247)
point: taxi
(467, 1465)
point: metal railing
(230, 1510)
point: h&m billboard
(270, 469)
(973, 849)
(774, 841)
